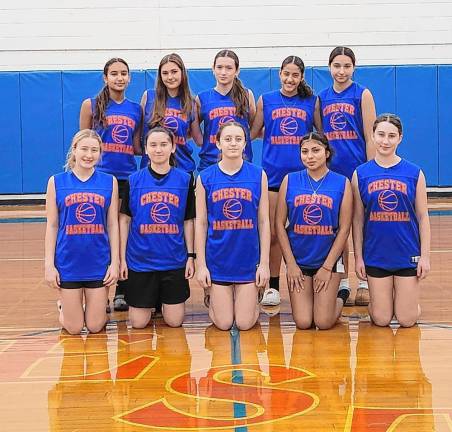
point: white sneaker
(271, 298)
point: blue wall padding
(41, 98)
(417, 106)
(43, 108)
(10, 138)
(445, 125)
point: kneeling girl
(156, 233)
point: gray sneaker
(119, 304)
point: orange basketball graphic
(171, 124)
(85, 213)
(232, 208)
(338, 121)
(312, 214)
(120, 134)
(387, 200)
(160, 213)
(288, 126)
(225, 119)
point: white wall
(83, 34)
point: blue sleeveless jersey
(391, 232)
(342, 122)
(156, 235)
(216, 109)
(313, 218)
(117, 139)
(232, 246)
(286, 120)
(82, 248)
(177, 122)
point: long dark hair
(239, 94)
(322, 139)
(172, 159)
(103, 97)
(342, 50)
(161, 92)
(303, 89)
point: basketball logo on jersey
(224, 120)
(387, 200)
(288, 126)
(338, 121)
(171, 124)
(312, 214)
(85, 213)
(232, 209)
(120, 134)
(160, 213)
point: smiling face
(117, 77)
(342, 68)
(291, 77)
(232, 141)
(86, 153)
(225, 70)
(314, 155)
(386, 138)
(159, 148)
(171, 75)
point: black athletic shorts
(377, 272)
(274, 188)
(122, 187)
(224, 283)
(144, 289)
(82, 284)
(312, 271)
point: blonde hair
(84, 133)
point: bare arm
(189, 235)
(318, 117)
(423, 266)
(124, 224)
(252, 107)
(195, 130)
(112, 274)
(86, 115)
(51, 274)
(263, 271)
(202, 272)
(293, 273)
(358, 225)
(258, 122)
(137, 149)
(369, 116)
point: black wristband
(191, 255)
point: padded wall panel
(445, 124)
(417, 106)
(10, 138)
(42, 128)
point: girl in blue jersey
(118, 122)
(286, 115)
(232, 232)
(346, 111)
(82, 237)
(156, 230)
(317, 203)
(391, 228)
(227, 101)
(171, 105)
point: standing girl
(227, 101)
(346, 111)
(317, 203)
(287, 115)
(118, 122)
(82, 237)
(171, 105)
(232, 232)
(156, 228)
(391, 228)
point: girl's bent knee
(73, 329)
(324, 323)
(303, 323)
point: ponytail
(303, 89)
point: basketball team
(329, 168)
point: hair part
(342, 50)
(223, 127)
(80, 135)
(303, 89)
(390, 118)
(239, 94)
(161, 92)
(322, 140)
(169, 134)
(103, 97)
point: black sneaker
(119, 304)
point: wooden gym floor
(355, 377)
